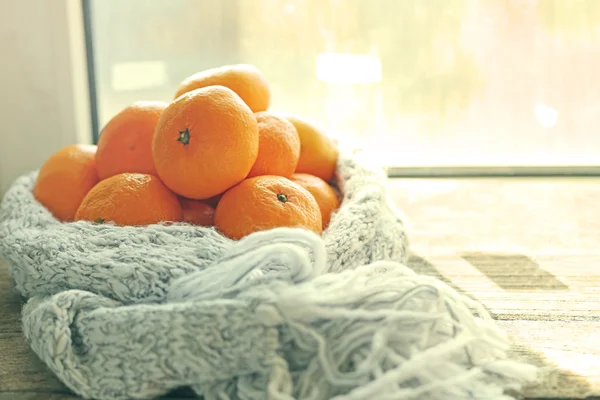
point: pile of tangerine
(214, 156)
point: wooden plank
(10, 303)
(522, 216)
(22, 370)
(36, 396)
(529, 250)
(563, 294)
(567, 352)
(57, 396)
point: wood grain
(21, 368)
(10, 303)
(533, 296)
(36, 396)
(512, 215)
(529, 250)
(56, 396)
(566, 351)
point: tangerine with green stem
(205, 142)
(266, 202)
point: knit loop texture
(134, 312)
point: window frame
(45, 98)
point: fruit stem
(184, 137)
(282, 198)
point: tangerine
(266, 202)
(206, 141)
(326, 197)
(245, 80)
(125, 143)
(318, 152)
(64, 180)
(130, 199)
(278, 146)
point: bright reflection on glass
(348, 68)
(546, 115)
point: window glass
(431, 82)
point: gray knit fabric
(134, 263)
(132, 312)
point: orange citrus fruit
(197, 212)
(246, 80)
(125, 143)
(325, 195)
(266, 202)
(318, 152)
(206, 141)
(278, 146)
(64, 180)
(130, 199)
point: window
(421, 83)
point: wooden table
(528, 249)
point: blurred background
(417, 83)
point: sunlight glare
(340, 68)
(140, 75)
(546, 115)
